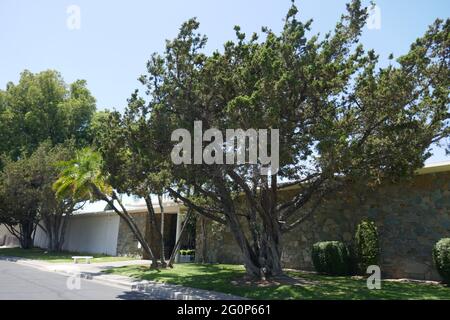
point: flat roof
(435, 167)
(172, 207)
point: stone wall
(411, 217)
(127, 244)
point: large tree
(40, 107)
(341, 119)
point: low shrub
(187, 252)
(331, 257)
(441, 258)
(366, 248)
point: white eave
(435, 167)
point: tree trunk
(55, 225)
(128, 220)
(152, 219)
(263, 262)
(180, 238)
(161, 207)
(204, 240)
(26, 234)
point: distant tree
(54, 212)
(40, 107)
(28, 201)
(341, 119)
(19, 197)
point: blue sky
(116, 38)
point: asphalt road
(20, 282)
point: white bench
(87, 259)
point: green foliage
(331, 257)
(42, 107)
(187, 252)
(82, 176)
(340, 117)
(26, 194)
(59, 257)
(441, 258)
(225, 278)
(366, 248)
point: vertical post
(177, 235)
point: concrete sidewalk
(94, 272)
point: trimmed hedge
(366, 247)
(187, 252)
(331, 257)
(441, 258)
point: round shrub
(331, 257)
(367, 248)
(441, 258)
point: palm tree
(83, 178)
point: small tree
(28, 201)
(82, 178)
(54, 212)
(367, 248)
(19, 200)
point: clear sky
(116, 38)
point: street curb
(162, 290)
(156, 290)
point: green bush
(366, 249)
(331, 257)
(441, 258)
(187, 252)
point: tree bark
(161, 207)
(180, 238)
(152, 218)
(26, 234)
(128, 220)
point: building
(104, 232)
(411, 217)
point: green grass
(56, 257)
(222, 278)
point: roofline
(174, 207)
(435, 167)
(169, 208)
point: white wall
(90, 233)
(7, 239)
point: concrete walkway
(94, 272)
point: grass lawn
(56, 257)
(229, 279)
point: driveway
(22, 282)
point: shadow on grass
(228, 279)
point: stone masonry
(411, 217)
